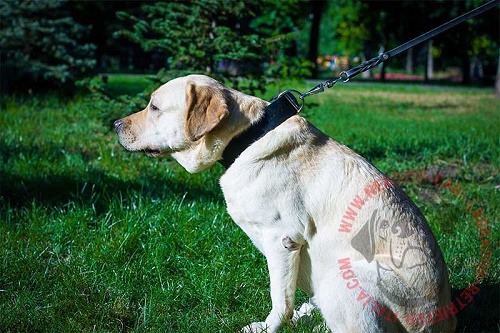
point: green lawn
(94, 238)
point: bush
(41, 45)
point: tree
(225, 39)
(497, 79)
(344, 30)
(279, 23)
(199, 37)
(111, 53)
(40, 43)
(316, 13)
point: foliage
(107, 99)
(224, 39)
(53, 41)
(40, 42)
(198, 37)
(279, 22)
(287, 67)
(344, 29)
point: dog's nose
(118, 125)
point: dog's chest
(260, 199)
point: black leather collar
(281, 108)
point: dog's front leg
(282, 253)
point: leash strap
(347, 75)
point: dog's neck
(251, 118)
(279, 110)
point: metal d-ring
(301, 97)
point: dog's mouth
(152, 152)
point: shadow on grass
(94, 189)
(482, 315)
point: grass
(94, 238)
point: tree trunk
(366, 74)
(465, 68)
(465, 42)
(367, 54)
(429, 64)
(409, 61)
(316, 12)
(383, 65)
(497, 81)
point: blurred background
(54, 43)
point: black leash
(347, 75)
(285, 105)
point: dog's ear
(364, 240)
(206, 107)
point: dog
(327, 220)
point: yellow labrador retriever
(327, 220)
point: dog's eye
(153, 107)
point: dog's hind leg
(347, 307)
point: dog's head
(190, 118)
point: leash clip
(320, 88)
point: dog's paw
(303, 314)
(258, 327)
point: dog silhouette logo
(394, 248)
